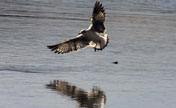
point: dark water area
(136, 70)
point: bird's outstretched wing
(70, 45)
(98, 18)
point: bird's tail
(52, 47)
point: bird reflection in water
(94, 98)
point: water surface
(142, 40)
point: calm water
(142, 39)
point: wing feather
(70, 45)
(98, 18)
(98, 12)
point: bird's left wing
(98, 17)
(70, 45)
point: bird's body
(96, 40)
(93, 36)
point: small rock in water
(116, 62)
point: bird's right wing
(70, 45)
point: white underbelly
(96, 40)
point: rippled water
(142, 41)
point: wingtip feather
(52, 47)
(98, 7)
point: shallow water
(142, 40)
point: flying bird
(93, 37)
